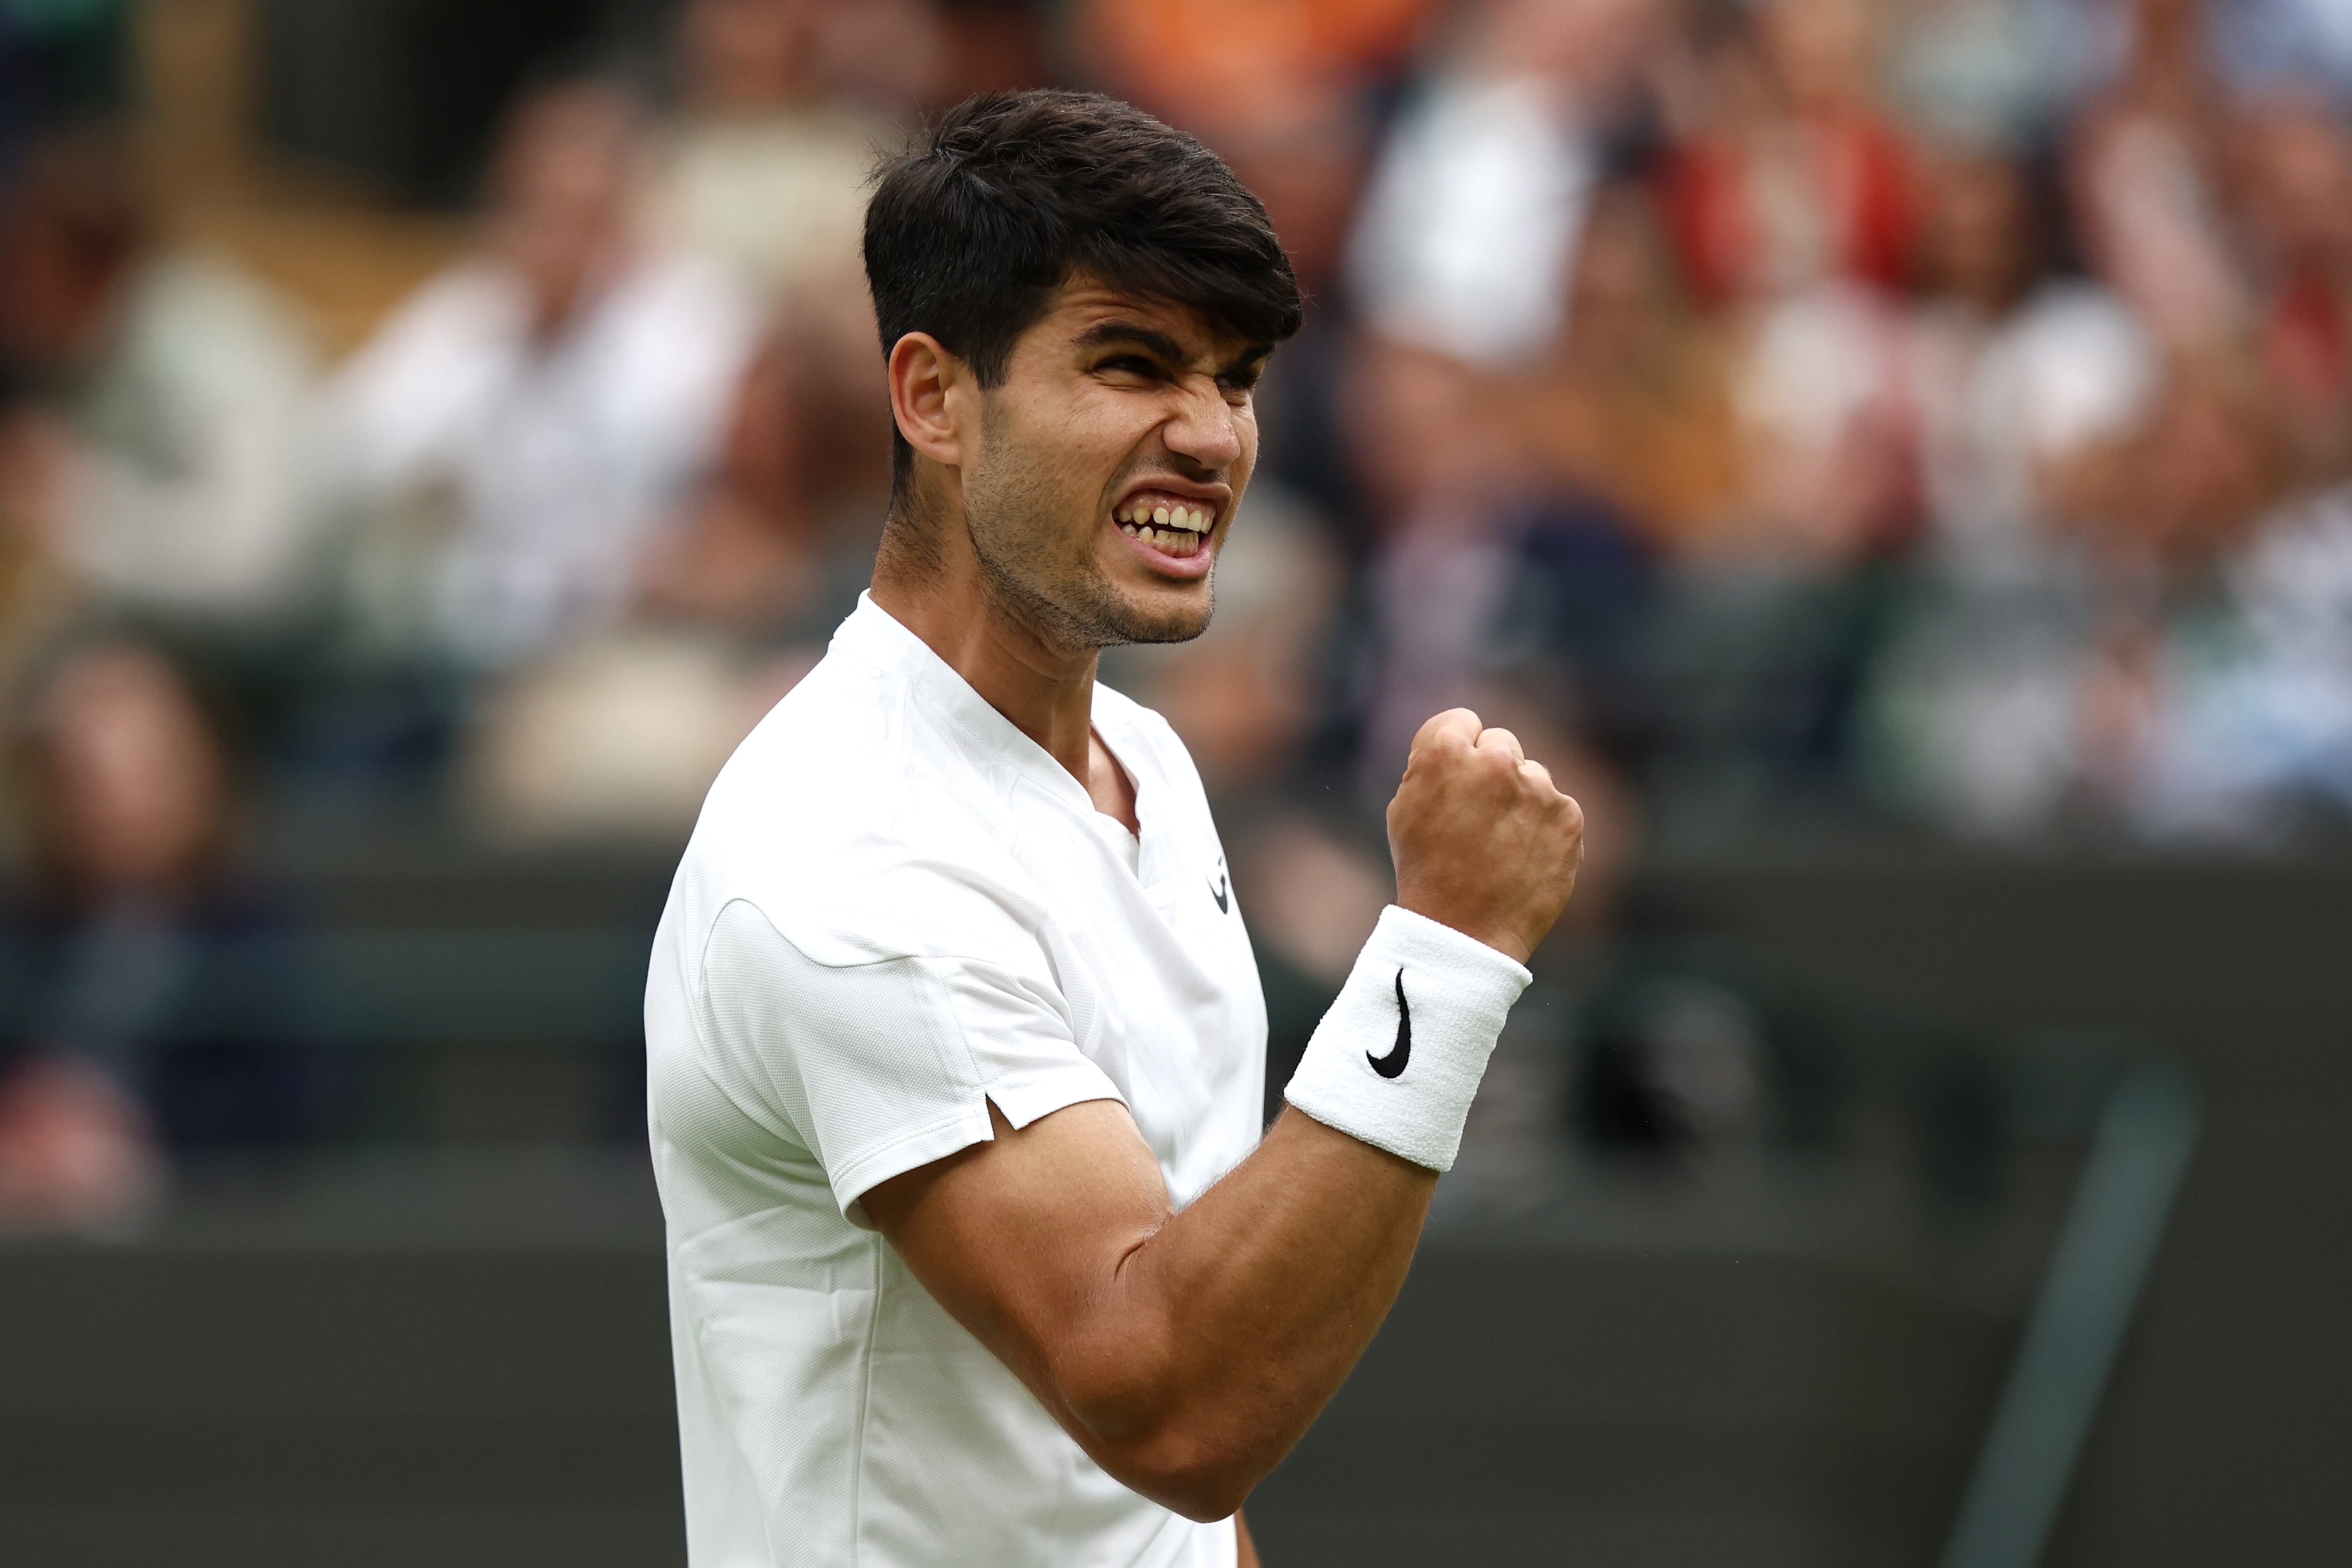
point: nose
(1204, 427)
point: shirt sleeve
(887, 1064)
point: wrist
(1429, 897)
(1510, 944)
(1397, 1060)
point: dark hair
(1010, 194)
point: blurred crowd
(1927, 412)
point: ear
(929, 390)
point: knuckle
(1439, 736)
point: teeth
(1147, 521)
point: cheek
(1030, 495)
(1060, 455)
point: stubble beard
(1064, 600)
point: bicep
(1021, 1239)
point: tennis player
(977, 1258)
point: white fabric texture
(895, 909)
(1426, 1004)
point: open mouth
(1172, 525)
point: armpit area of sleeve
(1024, 1097)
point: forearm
(1252, 1306)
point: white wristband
(1397, 1059)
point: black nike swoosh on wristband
(1393, 1064)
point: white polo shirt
(895, 909)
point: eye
(1131, 365)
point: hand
(1482, 840)
(75, 1152)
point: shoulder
(858, 842)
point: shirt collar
(874, 635)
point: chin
(1145, 622)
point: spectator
(556, 396)
(785, 105)
(156, 997)
(993, 43)
(2254, 736)
(1791, 199)
(158, 441)
(1793, 175)
(763, 166)
(1470, 228)
(1627, 438)
(2031, 385)
(2034, 392)
(2299, 152)
(1633, 408)
(1193, 61)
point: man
(955, 1036)
(560, 393)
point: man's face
(1110, 462)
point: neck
(941, 596)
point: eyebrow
(1103, 334)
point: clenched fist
(1483, 842)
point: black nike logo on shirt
(1223, 893)
(1393, 1064)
